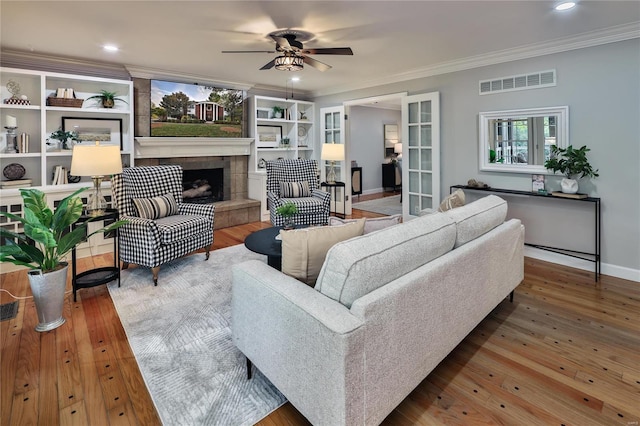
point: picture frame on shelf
(263, 113)
(108, 131)
(269, 136)
(537, 184)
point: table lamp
(96, 161)
(397, 148)
(332, 152)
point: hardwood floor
(567, 351)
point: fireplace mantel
(161, 147)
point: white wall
(601, 86)
(366, 127)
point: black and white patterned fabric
(156, 207)
(312, 210)
(295, 189)
(149, 242)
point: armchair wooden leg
(511, 296)
(207, 253)
(125, 265)
(249, 365)
(155, 275)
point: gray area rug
(387, 205)
(181, 337)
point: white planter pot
(569, 186)
(48, 293)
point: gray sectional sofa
(386, 310)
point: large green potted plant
(573, 164)
(107, 98)
(46, 240)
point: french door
(421, 153)
(332, 126)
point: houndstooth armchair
(297, 181)
(161, 227)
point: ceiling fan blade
(282, 42)
(269, 65)
(248, 51)
(328, 51)
(320, 66)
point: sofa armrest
(207, 210)
(138, 239)
(325, 196)
(304, 342)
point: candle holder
(12, 140)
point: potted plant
(287, 211)
(277, 112)
(42, 247)
(64, 137)
(107, 98)
(573, 164)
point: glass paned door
(421, 152)
(332, 131)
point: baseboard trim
(606, 268)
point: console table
(96, 276)
(593, 257)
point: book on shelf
(60, 176)
(565, 195)
(17, 183)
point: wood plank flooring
(566, 352)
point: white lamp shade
(332, 152)
(96, 160)
(397, 148)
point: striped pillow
(156, 207)
(295, 189)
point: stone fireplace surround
(231, 154)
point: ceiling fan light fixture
(289, 63)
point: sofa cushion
(156, 207)
(477, 218)
(304, 250)
(358, 266)
(295, 189)
(451, 201)
(371, 223)
(182, 226)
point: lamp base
(331, 175)
(96, 204)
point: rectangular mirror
(519, 141)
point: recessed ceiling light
(110, 48)
(295, 78)
(566, 5)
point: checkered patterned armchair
(312, 210)
(151, 242)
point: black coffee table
(264, 242)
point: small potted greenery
(47, 238)
(285, 142)
(573, 164)
(107, 98)
(287, 211)
(277, 112)
(65, 138)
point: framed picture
(269, 136)
(264, 112)
(537, 183)
(108, 131)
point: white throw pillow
(371, 223)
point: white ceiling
(391, 40)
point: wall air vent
(534, 80)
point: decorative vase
(288, 223)
(569, 186)
(48, 293)
(107, 103)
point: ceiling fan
(293, 54)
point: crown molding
(42, 62)
(581, 41)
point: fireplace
(203, 186)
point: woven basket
(65, 102)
